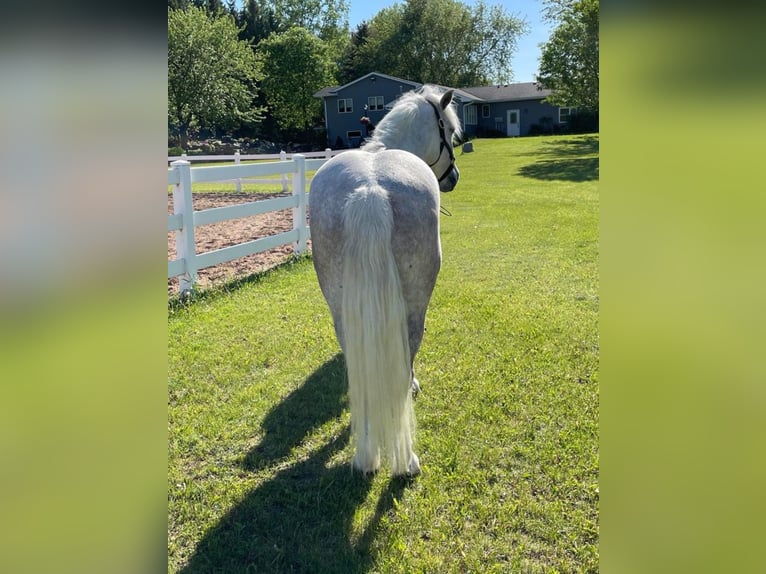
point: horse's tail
(374, 319)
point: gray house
(510, 110)
(506, 110)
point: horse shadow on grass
(301, 519)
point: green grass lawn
(259, 476)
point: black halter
(443, 144)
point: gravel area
(232, 232)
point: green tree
(348, 66)
(257, 21)
(569, 61)
(211, 73)
(299, 65)
(326, 19)
(440, 41)
(211, 6)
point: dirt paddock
(231, 232)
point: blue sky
(527, 55)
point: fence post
(236, 162)
(299, 211)
(283, 157)
(182, 204)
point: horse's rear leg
(414, 384)
(367, 460)
(413, 467)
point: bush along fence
(184, 219)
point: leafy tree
(299, 65)
(211, 73)
(569, 62)
(326, 19)
(440, 41)
(555, 10)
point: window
(485, 110)
(354, 138)
(469, 113)
(345, 105)
(564, 114)
(375, 103)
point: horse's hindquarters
(375, 237)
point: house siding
(530, 112)
(339, 124)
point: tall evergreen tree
(257, 21)
(349, 67)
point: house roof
(482, 94)
(333, 90)
(508, 92)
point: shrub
(581, 122)
(489, 133)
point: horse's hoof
(366, 466)
(415, 387)
(413, 468)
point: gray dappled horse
(376, 249)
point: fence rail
(184, 219)
(237, 158)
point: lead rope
(444, 210)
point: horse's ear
(446, 99)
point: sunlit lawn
(259, 475)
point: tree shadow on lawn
(565, 160)
(570, 147)
(582, 169)
(576, 147)
(301, 519)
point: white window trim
(373, 101)
(569, 113)
(470, 113)
(349, 109)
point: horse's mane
(399, 120)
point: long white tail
(374, 317)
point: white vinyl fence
(236, 157)
(184, 219)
